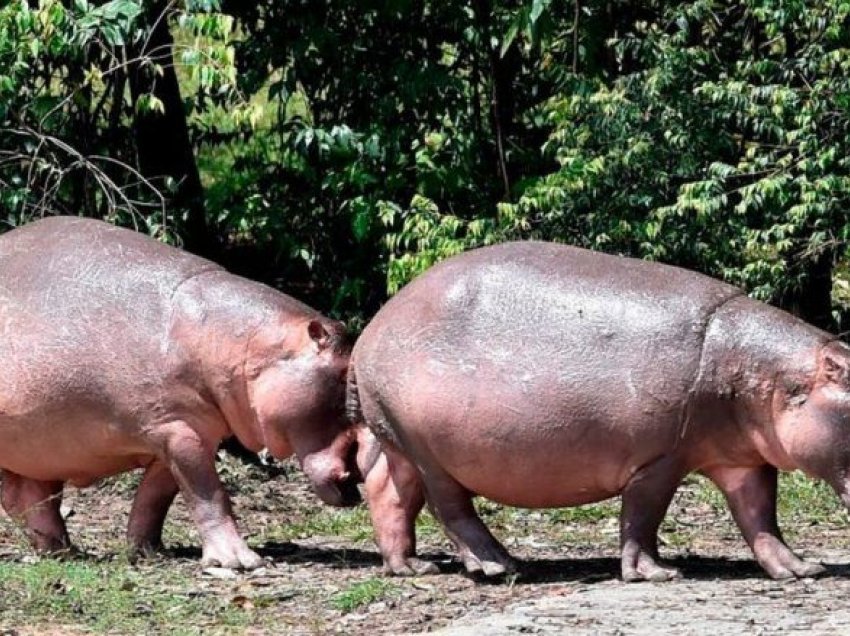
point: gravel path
(723, 606)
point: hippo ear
(836, 368)
(319, 334)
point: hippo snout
(350, 493)
(334, 478)
(342, 492)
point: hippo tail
(352, 398)
(378, 426)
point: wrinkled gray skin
(541, 375)
(119, 352)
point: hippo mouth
(349, 492)
(341, 489)
(342, 493)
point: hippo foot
(139, 550)
(647, 569)
(658, 574)
(810, 570)
(410, 566)
(235, 558)
(780, 562)
(799, 570)
(61, 552)
(57, 545)
(489, 567)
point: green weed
(427, 525)
(362, 593)
(802, 499)
(352, 524)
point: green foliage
(716, 140)
(345, 149)
(67, 110)
(369, 111)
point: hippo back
(557, 314)
(84, 308)
(63, 262)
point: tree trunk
(816, 300)
(502, 70)
(813, 302)
(162, 139)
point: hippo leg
(645, 500)
(751, 493)
(395, 495)
(191, 460)
(37, 503)
(451, 503)
(153, 499)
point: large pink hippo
(120, 352)
(540, 375)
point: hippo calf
(119, 352)
(540, 375)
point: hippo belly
(79, 447)
(532, 441)
(69, 397)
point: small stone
(220, 573)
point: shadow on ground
(589, 570)
(531, 572)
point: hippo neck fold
(756, 361)
(222, 320)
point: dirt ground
(713, 600)
(324, 576)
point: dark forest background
(336, 149)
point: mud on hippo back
(541, 375)
(120, 352)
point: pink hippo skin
(540, 375)
(120, 352)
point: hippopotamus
(541, 375)
(120, 352)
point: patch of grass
(180, 534)
(705, 492)
(427, 525)
(109, 597)
(14, 533)
(497, 515)
(802, 499)
(362, 593)
(591, 513)
(588, 524)
(122, 484)
(351, 524)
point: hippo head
(297, 392)
(813, 423)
